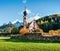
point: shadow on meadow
(29, 41)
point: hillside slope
(51, 22)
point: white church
(28, 28)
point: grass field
(21, 45)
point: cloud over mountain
(28, 11)
(17, 20)
(36, 17)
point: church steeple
(25, 13)
(25, 18)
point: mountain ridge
(46, 23)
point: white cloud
(16, 21)
(24, 1)
(36, 17)
(28, 11)
(30, 19)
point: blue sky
(11, 10)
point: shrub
(36, 30)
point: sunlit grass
(13, 46)
(21, 45)
(4, 37)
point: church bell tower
(25, 19)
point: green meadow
(7, 44)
